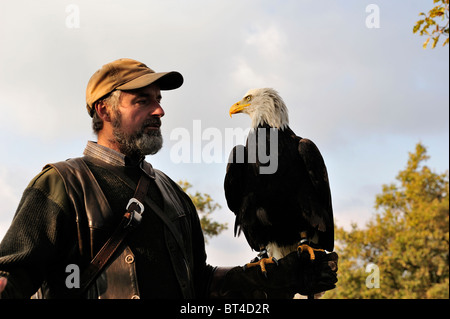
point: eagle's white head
(263, 106)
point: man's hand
(319, 275)
(296, 274)
(3, 282)
(292, 275)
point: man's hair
(113, 100)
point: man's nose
(158, 111)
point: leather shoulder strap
(91, 207)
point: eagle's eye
(248, 98)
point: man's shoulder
(51, 173)
(46, 178)
(51, 184)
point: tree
(430, 23)
(205, 207)
(406, 243)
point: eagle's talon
(275, 261)
(262, 264)
(305, 247)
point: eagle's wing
(234, 181)
(322, 213)
(236, 185)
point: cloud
(268, 41)
(245, 76)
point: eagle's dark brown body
(277, 207)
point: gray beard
(140, 143)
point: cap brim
(166, 81)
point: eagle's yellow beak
(237, 108)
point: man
(72, 208)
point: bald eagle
(283, 209)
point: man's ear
(103, 111)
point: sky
(354, 77)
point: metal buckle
(136, 217)
(134, 200)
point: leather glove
(292, 275)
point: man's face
(137, 120)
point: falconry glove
(292, 275)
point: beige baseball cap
(126, 74)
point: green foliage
(430, 26)
(407, 239)
(205, 207)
